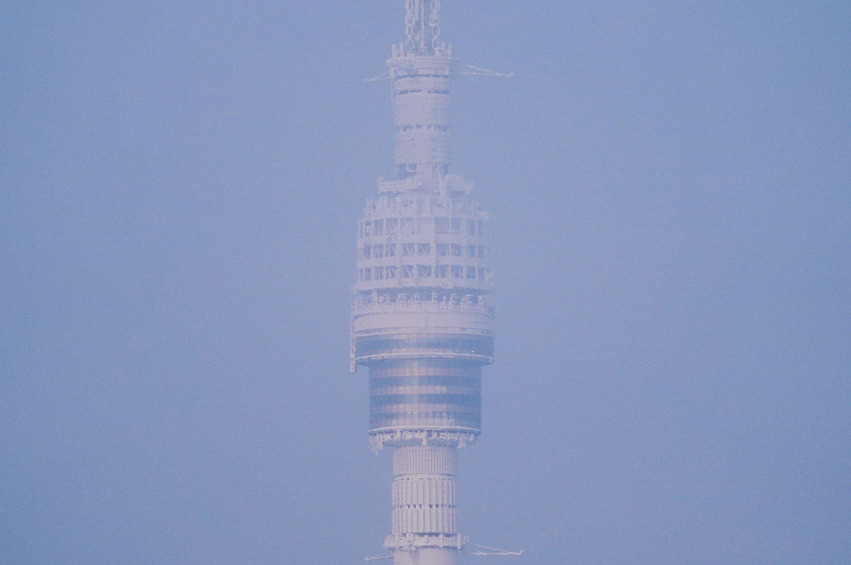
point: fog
(670, 189)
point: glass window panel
(441, 225)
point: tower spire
(422, 26)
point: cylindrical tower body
(421, 114)
(422, 312)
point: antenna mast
(421, 32)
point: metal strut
(434, 22)
(487, 551)
(421, 33)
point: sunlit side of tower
(422, 314)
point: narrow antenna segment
(421, 29)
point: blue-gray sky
(670, 185)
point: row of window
(403, 368)
(439, 225)
(475, 345)
(428, 127)
(399, 507)
(377, 383)
(395, 390)
(461, 402)
(425, 418)
(423, 370)
(422, 272)
(421, 250)
(420, 91)
(435, 381)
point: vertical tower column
(422, 318)
(424, 506)
(424, 491)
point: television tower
(422, 317)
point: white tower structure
(422, 313)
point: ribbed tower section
(422, 314)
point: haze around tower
(668, 190)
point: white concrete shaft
(426, 556)
(424, 499)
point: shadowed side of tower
(421, 314)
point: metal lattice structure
(422, 312)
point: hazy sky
(670, 187)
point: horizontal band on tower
(420, 460)
(476, 346)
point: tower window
(441, 225)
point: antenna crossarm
(470, 70)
